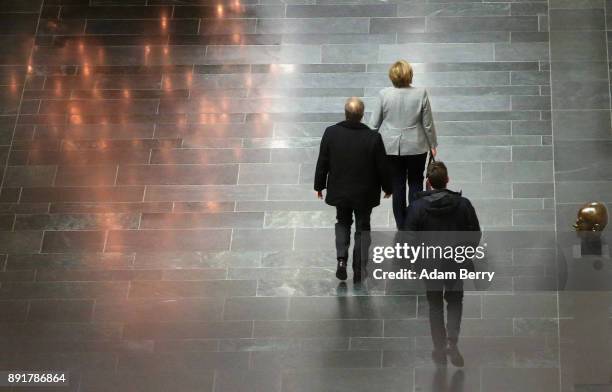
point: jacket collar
(437, 192)
(352, 125)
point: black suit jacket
(352, 166)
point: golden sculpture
(592, 217)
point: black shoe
(455, 356)
(439, 357)
(341, 269)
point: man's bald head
(353, 109)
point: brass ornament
(592, 217)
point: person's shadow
(440, 382)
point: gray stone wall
(581, 105)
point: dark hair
(437, 175)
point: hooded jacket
(441, 210)
(444, 218)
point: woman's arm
(428, 121)
(377, 114)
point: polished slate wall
(157, 215)
(581, 106)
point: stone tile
(430, 379)
(577, 19)
(143, 310)
(237, 380)
(530, 102)
(530, 77)
(454, 9)
(60, 311)
(177, 175)
(324, 25)
(383, 307)
(397, 25)
(73, 241)
(63, 290)
(206, 193)
(319, 328)
(483, 23)
(455, 37)
(568, 192)
(201, 220)
(475, 153)
(29, 176)
(522, 51)
(168, 240)
(358, 53)
(349, 10)
(516, 37)
(593, 124)
(188, 330)
(578, 72)
(285, 206)
(569, 4)
(81, 194)
(13, 311)
(347, 379)
(210, 156)
(586, 160)
(273, 173)
(535, 190)
(535, 327)
(257, 308)
(110, 208)
(308, 360)
(158, 381)
(533, 217)
(184, 289)
(517, 172)
(532, 153)
(438, 52)
(581, 95)
(191, 361)
(577, 46)
(531, 8)
(263, 54)
(521, 379)
(520, 305)
(310, 219)
(77, 221)
(531, 128)
(262, 239)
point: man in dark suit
(352, 166)
(450, 220)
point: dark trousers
(344, 216)
(405, 168)
(437, 292)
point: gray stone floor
(158, 228)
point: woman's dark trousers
(404, 168)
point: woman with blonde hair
(404, 119)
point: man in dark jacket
(442, 210)
(352, 167)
